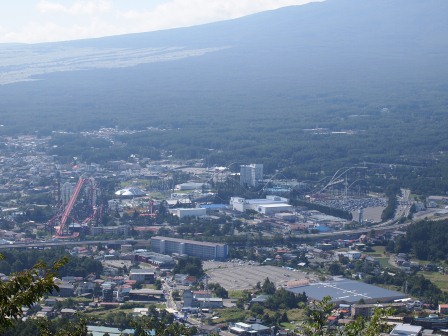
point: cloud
(48, 6)
(36, 32)
(77, 8)
(78, 19)
(182, 13)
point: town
(221, 250)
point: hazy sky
(32, 21)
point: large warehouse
(188, 212)
(348, 291)
(203, 250)
(269, 205)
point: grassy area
(440, 280)
(380, 254)
(232, 315)
(384, 262)
(378, 251)
(288, 325)
(236, 294)
(100, 312)
(296, 314)
(140, 182)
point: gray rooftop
(186, 241)
(141, 271)
(348, 291)
(406, 329)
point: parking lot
(242, 275)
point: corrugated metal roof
(348, 291)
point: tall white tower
(360, 216)
(66, 192)
(251, 175)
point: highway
(70, 243)
(392, 224)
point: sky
(34, 21)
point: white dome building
(130, 192)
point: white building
(185, 212)
(240, 328)
(238, 204)
(251, 175)
(66, 192)
(130, 192)
(269, 205)
(269, 209)
(192, 186)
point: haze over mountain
(314, 65)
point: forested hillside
(427, 240)
(304, 90)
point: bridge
(144, 242)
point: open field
(232, 315)
(379, 250)
(379, 254)
(440, 280)
(236, 294)
(296, 314)
(384, 262)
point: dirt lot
(242, 275)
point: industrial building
(348, 291)
(192, 186)
(241, 328)
(192, 300)
(156, 259)
(121, 230)
(406, 330)
(251, 175)
(203, 250)
(267, 206)
(270, 209)
(146, 294)
(142, 275)
(186, 212)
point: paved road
(64, 243)
(389, 225)
(385, 226)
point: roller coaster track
(70, 204)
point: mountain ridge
(364, 70)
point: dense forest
(304, 90)
(415, 285)
(19, 260)
(189, 265)
(426, 240)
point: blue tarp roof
(213, 206)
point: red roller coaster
(151, 212)
(63, 216)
